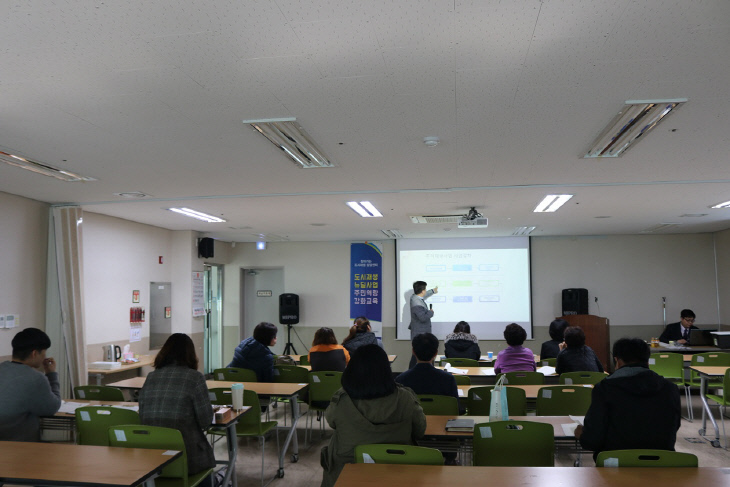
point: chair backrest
(398, 454)
(439, 405)
(479, 399)
(322, 386)
(220, 396)
(668, 365)
(523, 378)
(155, 437)
(235, 374)
(290, 374)
(721, 359)
(98, 393)
(462, 380)
(304, 360)
(514, 444)
(563, 400)
(548, 362)
(93, 422)
(571, 378)
(250, 421)
(645, 458)
(460, 362)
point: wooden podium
(597, 336)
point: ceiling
(149, 96)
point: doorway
(213, 332)
(260, 290)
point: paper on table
(577, 419)
(546, 370)
(461, 393)
(489, 371)
(569, 429)
(70, 407)
(454, 370)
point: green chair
(235, 374)
(462, 380)
(322, 386)
(563, 400)
(548, 362)
(439, 405)
(98, 393)
(720, 359)
(249, 423)
(577, 378)
(291, 374)
(479, 399)
(460, 362)
(722, 401)
(398, 454)
(304, 360)
(668, 365)
(523, 378)
(645, 458)
(514, 444)
(93, 422)
(157, 437)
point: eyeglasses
(689, 320)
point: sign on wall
(366, 263)
(198, 295)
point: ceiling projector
(473, 219)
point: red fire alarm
(160, 259)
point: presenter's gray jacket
(420, 315)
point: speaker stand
(289, 345)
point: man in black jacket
(679, 332)
(632, 408)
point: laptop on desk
(701, 338)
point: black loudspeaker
(575, 301)
(205, 247)
(288, 309)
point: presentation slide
(483, 281)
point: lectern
(597, 336)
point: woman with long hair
(370, 408)
(461, 343)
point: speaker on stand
(289, 316)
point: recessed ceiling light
(290, 137)
(659, 227)
(198, 215)
(602, 216)
(636, 119)
(552, 202)
(392, 233)
(726, 204)
(523, 230)
(132, 194)
(693, 215)
(365, 209)
(42, 168)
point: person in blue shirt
(254, 352)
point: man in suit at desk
(420, 313)
(632, 408)
(26, 393)
(679, 332)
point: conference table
(377, 475)
(297, 358)
(706, 373)
(264, 389)
(26, 463)
(531, 390)
(99, 374)
(67, 413)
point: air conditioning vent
(437, 219)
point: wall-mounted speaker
(288, 309)
(205, 247)
(575, 301)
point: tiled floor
(308, 473)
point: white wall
(23, 247)
(722, 250)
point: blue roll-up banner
(366, 263)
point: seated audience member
(424, 378)
(325, 353)
(551, 348)
(515, 358)
(632, 408)
(370, 408)
(461, 343)
(26, 392)
(254, 352)
(575, 356)
(360, 334)
(679, 332)
(175, 396)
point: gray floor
(307, 472)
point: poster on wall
(198, 295)
(366, 262)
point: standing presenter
(420, 312)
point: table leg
(291, 437)
(232, 440)
(707, 412)
(99, 378)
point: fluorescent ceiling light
(290, 137)
(634, 121)
(42, 168)
(552, 202)
(366, 210)
(523, 230)
(392, 233)
(726, 204)
(197, 214)
(659, 227)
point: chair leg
(722, 418)
(688, 396)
